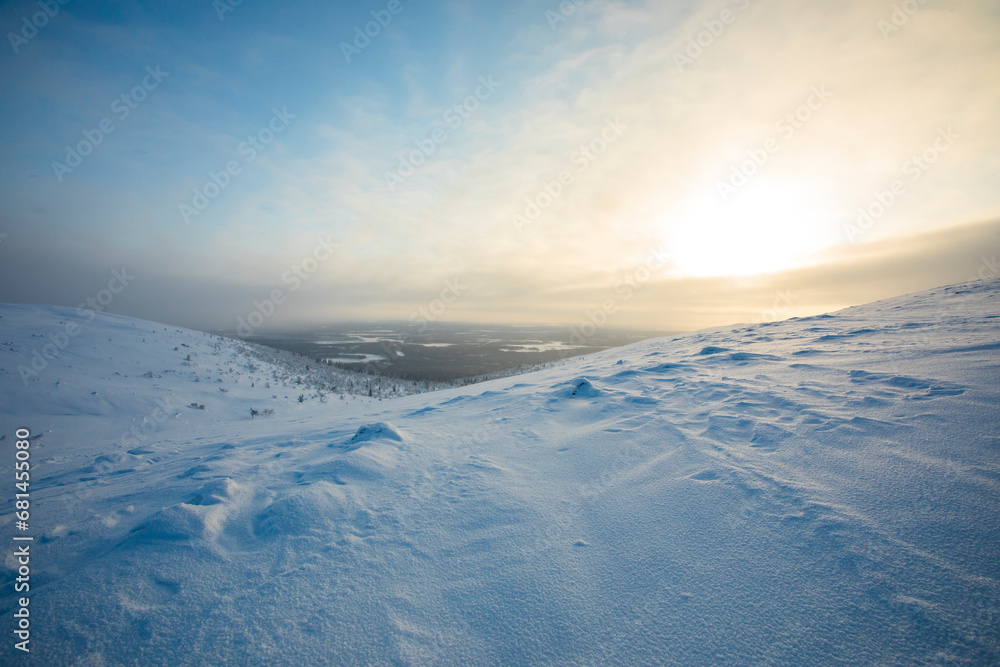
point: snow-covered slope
(817, 491)
(66, 362)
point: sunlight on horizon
(768, 227)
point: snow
(359, 358)
(816, 491)
(540, 346)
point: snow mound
(177, 522)
(317, 509)
(203, 518)
(581, 387)
(215, 492)
(112, 463)
(378, 431)
(753, 356)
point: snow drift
(815, 491)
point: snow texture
(823, 490)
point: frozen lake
(445, 352)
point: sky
(657, 165)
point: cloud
(652, 182)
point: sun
(764, 228)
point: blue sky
(743, 138)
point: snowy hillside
(72, 362)
(823, 490)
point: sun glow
(764, 228)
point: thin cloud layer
(751, 142)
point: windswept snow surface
(817, 491)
